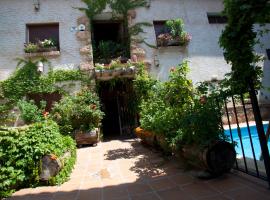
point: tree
(239, 38)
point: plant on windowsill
(176, 37)
(46, 45)
(116, 69)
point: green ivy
(26, 80)
(239, 38)
(21, 150)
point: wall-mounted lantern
(214, 78)
(40, 67)
(156, 61)
(148, 4)
(36, 5)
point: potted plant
(176, 37)
(186, 121)
(46, 45)
(79, 115)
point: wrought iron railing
(243, 124)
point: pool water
(246, 141)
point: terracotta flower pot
(87, 137)
(147, 137)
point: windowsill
(173, 47)
(43, 54)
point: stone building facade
(203, 52)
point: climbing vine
(27, 80)
(239, 38)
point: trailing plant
(27, 80)
(21, 150)
(79, 112)
(239, 38)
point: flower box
(43, 54)
(107, 74)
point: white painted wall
(264, 94)
(203, 52)
(15, 14)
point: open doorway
(108, 41)
(117, 99)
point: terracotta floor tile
(182, 179)
(246, 194)
(161, 184)
(111, 182)
(65, 195)
(173, 194)
(215, 197)
(199, 190)
(139, 188)
(114, 193)
(224, 184)
(95, 194)
(149, 196)
(134, 172)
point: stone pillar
(86, 51)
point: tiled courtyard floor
(125, 170)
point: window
(160, 27)
(40, 32)
(216, 18)
(108, 31)
(268, 53)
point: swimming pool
(246, 141)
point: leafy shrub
(175, 110)
(22, 149)
(30, 113)
(143, 83)
(81, 111)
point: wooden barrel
(217, 158)
(163, 144)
